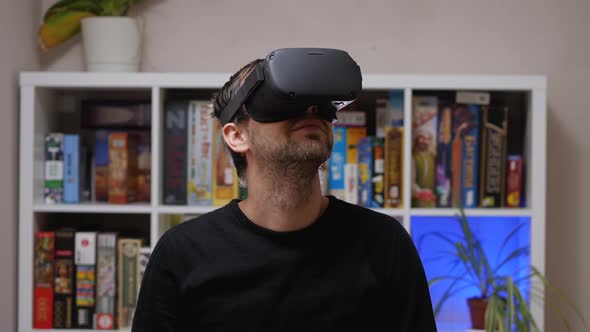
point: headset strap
(254, 79)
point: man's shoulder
(366, 218)
(199, 225)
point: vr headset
(290, 80)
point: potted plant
(112, 41)
(501, 304)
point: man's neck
(281, 204)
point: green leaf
(66, 6)
(510, 235)
(517, 253)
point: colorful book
(444, 156)
(54, 168)
(106, 281)
(378, 174)
(144, 166)
(389, 112)
(85, 262)
(128, 280)
(465, 155)
(122, 168)
(365, 156)
(337, 162)
(72, 165)
(353, 136)
(175, 147)
(43, 279)
(63, 299)
(101, 166)
(394, 175)
(514, 175)
(493, 156)
(424, 128)
(200, 151)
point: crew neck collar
(302, 233)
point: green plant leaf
(510, 235)
(65, 6)
(517, 253)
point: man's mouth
(309, 124)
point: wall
(411, 36)
(16, 53)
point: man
(286, 258)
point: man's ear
(235, 137)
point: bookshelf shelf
(46, 98)
(391, 212)
(471, 212)
(184, 209)
(94, 208)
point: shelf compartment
(134, 208)
(471, 212)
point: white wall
(412, 36)
(17, 53)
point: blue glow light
(454, 316)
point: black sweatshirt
(353, 269)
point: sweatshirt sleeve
(414, 311)
(158, 302)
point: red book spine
(43, 278)
(43, 308)
(513, 181)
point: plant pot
(477, 312)
(111, 44)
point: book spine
(122, 168)
(72, 168)
(106, 283)
(424, 128)
(63, 300)
(85, 261)
(43, 279)
(191, 156)
(493, 156)
(337, 162)
(144, 166)
(351, 183)
(128, 280)
(514, 181)
(470, 161)
(225, 182)
(175, 158)
(204, 154)
(394, 167)
(389, 112)
(378, 174)
(353, 136)
(101, 166)
(365, 155)
(54, 168)
(444, 157)
(144, 257)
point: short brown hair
(223, 97)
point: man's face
(299, 141)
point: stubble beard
(294, 159)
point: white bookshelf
(42, 94)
